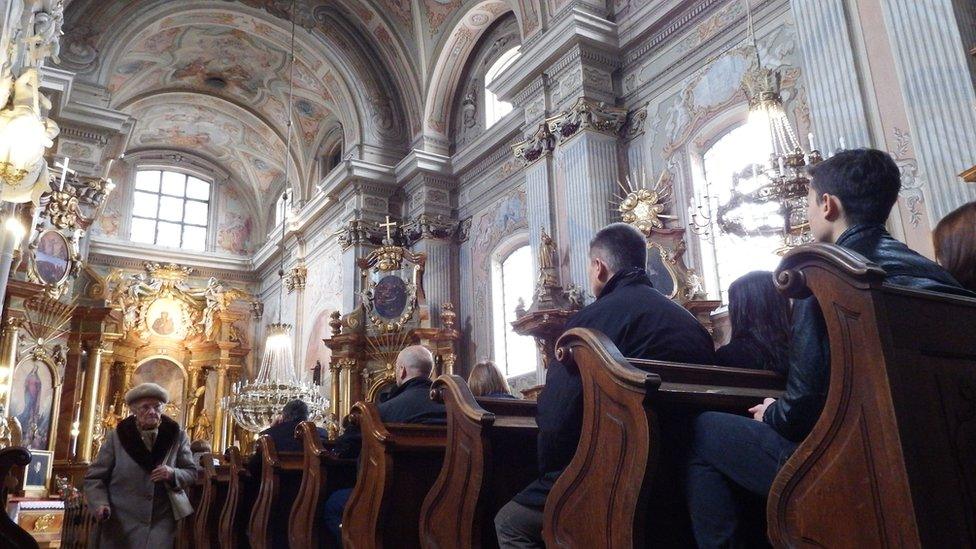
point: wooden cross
(388, 225)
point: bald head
(414, 361)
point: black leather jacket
(794, 415)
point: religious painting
(32, 402)
(168, 375)
(164, 318)
(52, 258)
(661, 275)
(390, 296)
(38, 472)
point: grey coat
(142, 514)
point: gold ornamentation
(644, 207)
(44, 523)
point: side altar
(393, 313)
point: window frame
(209, 201)
(500, 328)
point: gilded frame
(57, 288)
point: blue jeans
(731, 458)
(334, 506)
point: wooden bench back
(602, 497)
(490, 457)
(238, 504)
(397, 466)
(215, 484)
(322, 474)
(281, 475)
(892, 460)
(184, 528)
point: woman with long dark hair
(760, 318)
(955, 244)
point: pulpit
(393, 313)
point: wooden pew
(281, 475)
(239, 502)
(322, 474)
(12, 462)
(490, 457)
(892, 460)
(603, 496)
(184, 528)
(398, 465)
(75, 526)
(215, 484)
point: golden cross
(388, 225)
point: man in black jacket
(408, 403)
(283, 434)
(642, 323)
(850, 197)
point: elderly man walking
(135, 487)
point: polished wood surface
(237, 506)
(603, 496)
(184, 528)
(322, 474)
(216, 479)
(397, 467)
(490, 457)
(892, 460)
(281, 475)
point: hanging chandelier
(256, 404)
(772, 199)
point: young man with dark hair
(850, 197)
(642, 323)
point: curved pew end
(238, 504)
(216, 477)
(890, 461)
(397, 467)
(280, 478)
(490, 457)
(322, 474)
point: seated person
(642, 323)
(487, 380)
(198, 449)
(760, 318)
(851, 195)
(283, 434)
(955, 244)
(409, 403)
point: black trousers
(733, 461)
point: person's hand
(759, 410)
(102, 513)
(161, 473)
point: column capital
(587, 115)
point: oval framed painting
(52, 257)
(390, 296)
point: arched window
(511, 284)
(496, 109)
(283, 207)
(170, 209)
(731, 161)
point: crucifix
(389, 224)
(64, 171)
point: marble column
(836, 101)
(937, 85)
(587, 165)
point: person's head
(850, 188)
(485, 378)
(955, 244)
(146, 401)
(294, 410)
(413, 361)
(200, 447)
(761, 315)
(615, 248)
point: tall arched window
(733, 160)
(170, 209)
(511, 284)
(496, 109)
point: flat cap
(146, 390)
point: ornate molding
(539, 145)
(296, 278)
(634, 126)
(427, 227)
(587, 114)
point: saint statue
(202, 427)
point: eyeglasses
(149, 407)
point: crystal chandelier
(774, 200)
(256, 404)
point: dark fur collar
(131, 440)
